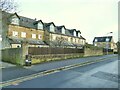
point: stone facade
(18, 29)
(101, 42)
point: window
(33, 35)
(74, 33)
(83, 42)
(107, 39)
(39, 36)
(40, 25)
(71, 39)
(54, 37)
(23, 34)
(75, 40)
(78, 34)
(63, 30)
(96, 40)
(15, 33)
(0, 37)
(51, 28)
(15, 20)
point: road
(102, 74)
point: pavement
(97, 75)
(6, 65)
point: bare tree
(60, 41)
(8, 5)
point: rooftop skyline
(93, 18)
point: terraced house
(18, 29)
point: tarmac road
(102, 74)
(13, 72)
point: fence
(49, 50)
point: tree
(118, 46)
(60, 41)
(8, 5)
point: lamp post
(107, 40)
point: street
(103, 74)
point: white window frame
(78, 34)
(15, 20)
(0, 37)
(54, 37)
(40, 36)
(107, 39)
(23, 34)
(74, 33)
(96, 40)
(40, 25)
(63, 30)
(15, 34)
(33, 35)
(52, 28)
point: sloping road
(13, 72)
(102, 74)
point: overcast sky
(92, 17)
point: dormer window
(96, 40)
(40, 25)
(15, 21)
(63, 30)
(74, 33)
(78, 34)
(52, 28)
(107, 39)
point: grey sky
(92, 17)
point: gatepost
(24, 47)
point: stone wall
(18, 55)
(93, 52)
(15, 55)
(12, 55)
(53, 57)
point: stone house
(105, 42)
(18, 29)
(62, 37)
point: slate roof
(48, 24)
(71, 31)
(82, 37)
(23, 21)
(78, 32)
(59, 28)
(27, 22)
(39, 21)
(103, 39)
(67, 32)
(32, 23)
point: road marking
(40, 74)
